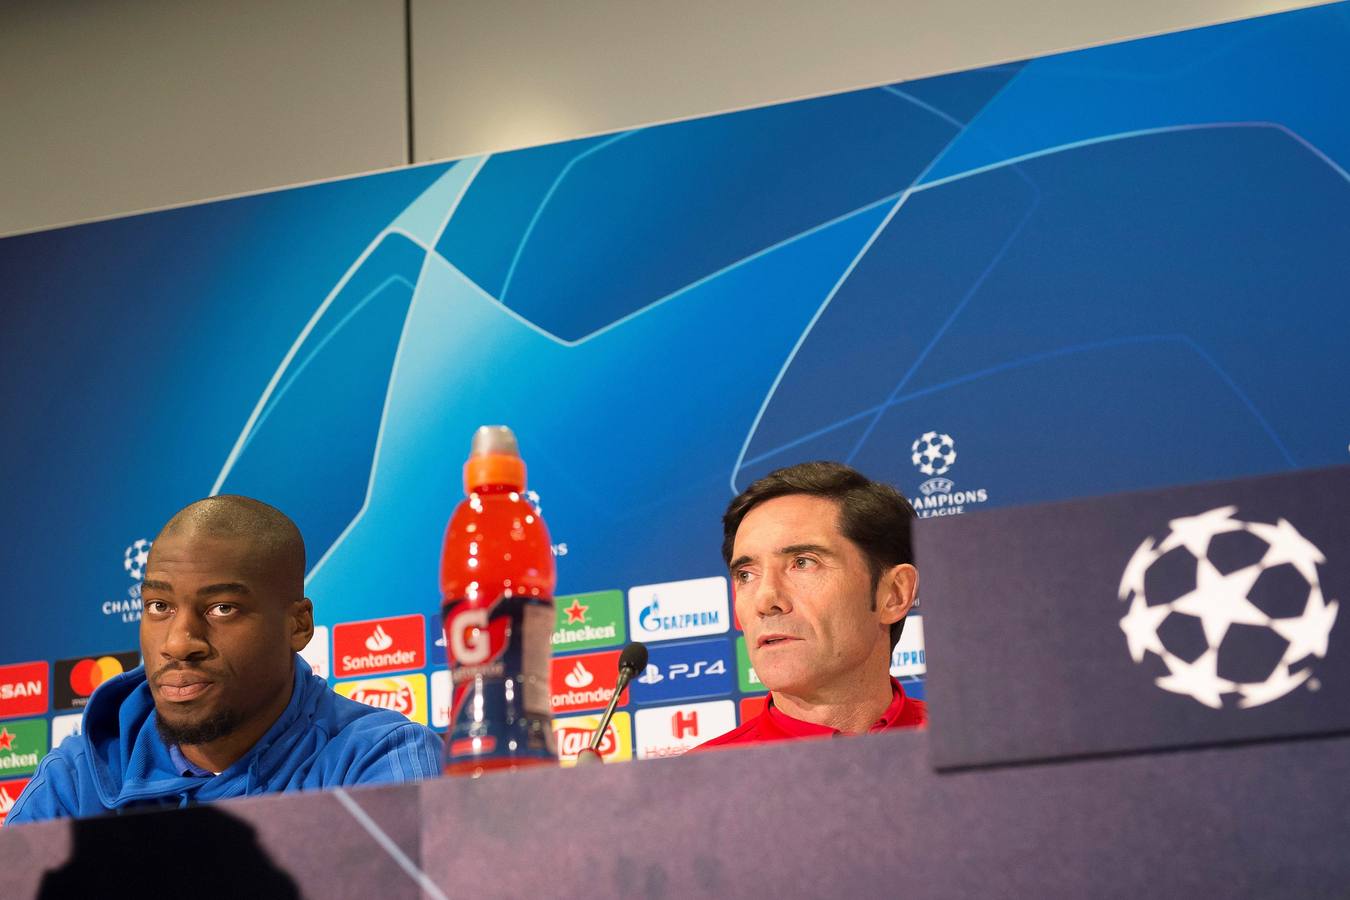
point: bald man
(222, 706)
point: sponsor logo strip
(23, 689)
(584, 621)
(671, 730)
(64, 726)
(745, 673)
(22, 743)
(679, 609)
(685, 671)
(752, 707)
(316, 651)
(584, 682)
(9, 793)
(908, 659)
(73, 680)
(406, 694)
(440, 699)
(573, 733)
(379, 645)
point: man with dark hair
(222, 706)
(822, 576)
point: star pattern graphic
(1309, 632)
(6, 739)
(1133, 579)
(1288, 546)
(1273, 688)
(1141, 627)
(1195, 532)
(1220, 601)
(576, 613)
(1199, 679)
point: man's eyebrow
(792, 549)
(738, 562)
(225, 587)
(154, 585)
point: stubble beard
(210, 729)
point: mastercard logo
(90, 673)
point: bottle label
(499, 658)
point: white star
(1276, 686)
(1133, 579)
(1309, 632)
(1194, 532)
(1219, 601)
(1141, 627)
(1288, 546)
(1199, 679)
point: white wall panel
(514, 73)
(112, 107)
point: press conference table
(844, 817)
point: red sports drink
(497, 578)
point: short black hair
(272, 532)
(874, 516)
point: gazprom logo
(651, 619)
(679, 609)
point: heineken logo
(584, 621)
(23, 743)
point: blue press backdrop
(1107, 270)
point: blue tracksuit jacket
(321, 740)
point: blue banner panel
(1143, 621)
(1118, 269)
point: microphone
(631, 661)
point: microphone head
(634, 657)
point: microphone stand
(591, 755)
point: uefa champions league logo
(135, 557)
(1218, 600)
(933, 453)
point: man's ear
(896, 592)
(302, 624)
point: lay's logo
(404, 694)
(573, 735)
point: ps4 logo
(696, 669)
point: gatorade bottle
(497, 578)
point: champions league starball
(933, 453)
(1233, 609)
(135, 557)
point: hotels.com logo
(671, 730)
(379, 645)
(23, 689)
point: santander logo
(584, 682)
(579, 677)
(379, 640)
(378, 646)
